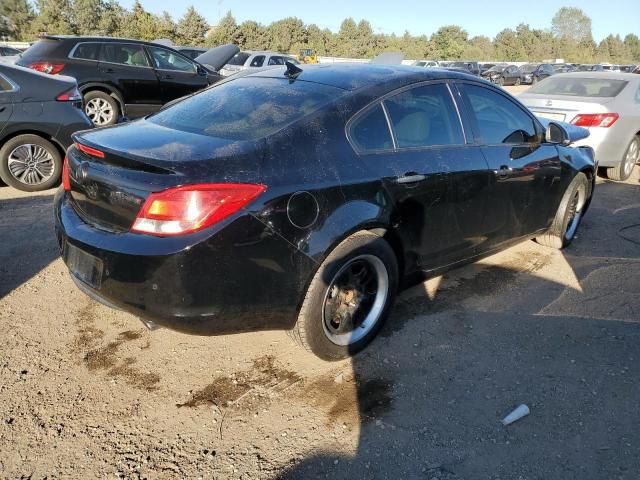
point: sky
(418, 17)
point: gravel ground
(86, 392)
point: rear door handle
(504, 171)
(410, 177)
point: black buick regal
(304, 199)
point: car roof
(89, 38)
(351, 76)
(610, 75)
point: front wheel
(628, 162)
(348, 298)
(569, 215)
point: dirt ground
(87, 392)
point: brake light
(47, 67)
(89, 150)
(66, 181)
(71, 95)
(604, 120)
(190, 208)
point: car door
(428, 157)
(527, 174)
(178, 75)
(7, 98)
(510, 74)
(125, 65)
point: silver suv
(249, 59)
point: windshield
(239, 59)
(246, 108)
(579, 87)
(497, 68)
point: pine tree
(17, 16)
(86, 16)
(192, 28)
(112, 19)
(226, 31)
(54, 18)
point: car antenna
(292, 71)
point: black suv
(119, 77)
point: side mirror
(555, 133)
(565, 133)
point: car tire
(500, 81)
(30, 163)
(569, 215)
(362, 257)
(517, 82)
(628, 162)
(101, 108)
(534, 80)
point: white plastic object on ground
(517, 414)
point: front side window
(370, 131)
(498, 119)
(424, 116)
(87, 51)
(257, 61)
(168, 60)
(125, 54)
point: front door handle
(410, 177)
(108, 70)
(168, 77)
(504, 172)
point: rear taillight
(190, 208)
(47, 67)
(71, 95)
(89, 150)
(604, 120)
(66, 181)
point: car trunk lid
(113, 170)
(562, 107)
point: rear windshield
(246, 108)
(238, 59)
(41, 49)
(580, 87)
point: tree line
(569, 36)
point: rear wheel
(500, 81)
(349, 298)
(569, 215)
(628, 163)
(101, 108)
(30, 163)
(518, 82)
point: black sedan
(38, 114)
(304, 199)
(503, 75)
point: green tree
(226, 31)
(508, 46)
(480, 47)
(140, 24)
(54, 17)
(346, 38)
(318, 39)
(450, 42)
(287, 35)
(632, 44)
(571, 23)
(192, 27)
(16, 16)
(167, 28)
(251, 35)
(86, 16)
(112, 20)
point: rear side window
(580, 87)
(425, 116)
(370, 131)
(276, 61)
(5, 85)
(87, 51)
(258, 61)
(125, 54)
(246, 108)
(498, 119)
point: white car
(426, 64)
(8, 54)
(606, 103)
(248, 59)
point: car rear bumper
(608, 144)
(243, 277)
